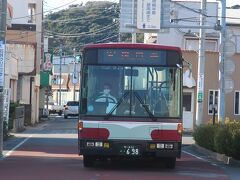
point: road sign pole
(3, 11)
(60, 76)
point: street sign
(148, 14)
(6, 105)
(75, 78)
(2, 63)
(200, 97)
(48, 61)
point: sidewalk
(187, 139)
(216, 157)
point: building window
(154, 7)
(236, 103)
(32, 13)
(212, 101)
(56, 80)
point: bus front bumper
(129, 148)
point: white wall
(171, 38)
(175, 36)
(20, 10)
(187, 13)
(11, 66)
(25, 96)
(24, 54)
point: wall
(211, 81)
(29, 32)
(25, 55)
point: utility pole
(221, 102)
(3, 13)
(74, 74)
(60, 76)
(201, 66)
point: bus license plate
(130, 150)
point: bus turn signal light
(180, 128)
(80, 125)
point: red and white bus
(142, 115)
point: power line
(84, 33)
(199, 12)
(44, 11)
(76, 19)
(107, 38)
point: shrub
(5, 130)
(204, 136)
(223, 140)
(236, 145)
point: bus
(142, 117)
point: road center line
(16, 147)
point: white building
(68, 89)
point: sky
(52, 4)
(56, 5)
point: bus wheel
(170, 163)
(88, 161)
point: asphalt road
(49, 152)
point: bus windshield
(132, 91)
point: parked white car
(54, 108)
(71, 109)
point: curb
(216, 156)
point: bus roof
(133, 46)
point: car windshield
(73, 103)
(131, 91)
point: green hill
(96, 22)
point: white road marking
(17, 146)
(200, 158)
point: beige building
(188, 40)
(24, 45)
(211, 85)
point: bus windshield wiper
(145, 107)
(117, 104)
